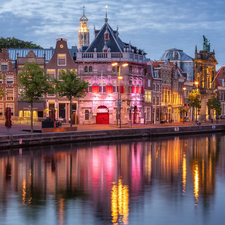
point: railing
(126, 56)
(87, 55)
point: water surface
(177, 180)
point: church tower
(83, 31)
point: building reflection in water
(110, 175)
(120, 203)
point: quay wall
(34, 139)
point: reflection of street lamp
(119, 92)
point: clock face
(61, 46)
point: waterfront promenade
(20, 128)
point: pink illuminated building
(94, 64)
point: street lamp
(119, 92)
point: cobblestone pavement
(19, 128)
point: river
(171, 180)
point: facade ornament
(206, 45)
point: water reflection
(110, 180)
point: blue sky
(155, 25)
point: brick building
(8, 82)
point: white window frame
(1, 104)
(9, 76)
(51, 70)
(7, 95)
(58, 60)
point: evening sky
(154, 26)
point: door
(102, 118)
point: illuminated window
(51, 73)
(61, 59)
(9, 94)
(11, 105)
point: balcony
(110, 56)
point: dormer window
(106, 34)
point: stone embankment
(26, 140)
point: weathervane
(106, 19)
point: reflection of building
(204, 73)
(8, 82)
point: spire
(106, 19)
(83, 19)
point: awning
(24, 106)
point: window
(149, 83)
(154, 101)
(157, 100)
(130, 69)
(4, 67)
(153, 87)
(114, 88)
(104, 89)
(90, 69)
(85, 69)
(9, 79)
(1, 109)
(1, 80)
(51, 73)
(90, 89)
(60, 71)
(157, 87)
(113, 69)
(61, 59)
(223, 73)
(11, 105)
(9, 94)
(86, 115)
(148, 96)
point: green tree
(16, 43)
(215, 104)
(70, 85)
(34, 83)
(194, 100)
(2, 93)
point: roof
(114, 42)
(38, 52)
(170, 54)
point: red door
(102, 118)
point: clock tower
(83, 31)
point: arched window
(86, 114)
(90, 68)
(86, 69)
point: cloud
(151, 25)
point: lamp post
(119, 92)
(184, 89)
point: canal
(172, 180)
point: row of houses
(149, 91)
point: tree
(70, 85)
(194, 100)
(215, 104)
(16, 43)
(34, 83)
(2, 93)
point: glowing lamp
(114, 64)
(120, 77)
(184, 88)
(125, 64)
